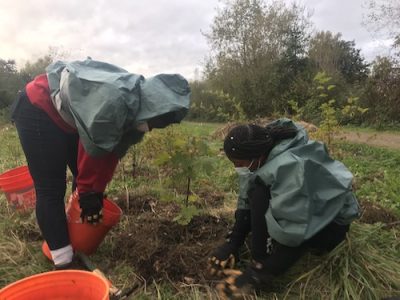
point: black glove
(222, 258)
(239, 284)
(91, 205)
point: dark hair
(252, 141)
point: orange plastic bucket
(58, 285)
(17, 184)
(85, 237)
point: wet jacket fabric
(308, 189)
(105, 103)
(105, 124)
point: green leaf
(193, 198)
(186, 214)
(167, 196)
(205, 164)
(179, 143)
(162, 159)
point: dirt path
(384, 139)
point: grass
(11, 154)
(19, 256)
(198, 128)
(364, 267)
(376, 172)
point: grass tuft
(365, 266)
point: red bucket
(85, 237)
(60, 285)
(17, 184)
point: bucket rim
(115, 208)
(25, 168)
(59, 273)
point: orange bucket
(85, 237)
(58, 285)
(17, 184)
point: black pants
(48, 150)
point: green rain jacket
(105, 103)
(308, 189)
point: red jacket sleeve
(94, 173)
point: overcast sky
(146, 37)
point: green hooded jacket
(308, 189)
(105, 103)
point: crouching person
(292, 197)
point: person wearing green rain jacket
(292, 197)
(85, 115)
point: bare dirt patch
(384, 139)
(159, 248)
(375, 213)
(24, 229)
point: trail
(378, 139)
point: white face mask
(143, 127)
(244, 171)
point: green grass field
(168, 259)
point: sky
(147, 37)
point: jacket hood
(162, 94)
(105, 103)
(301, 138)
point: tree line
(13, 80)
(267, 59)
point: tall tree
(333, 55)
(248, 38)
(32, 69)
(294, 74)
(7, 66)
(382, 94)
(10, 82)
(12, 79)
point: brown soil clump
(374, 213)
(159, 248)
